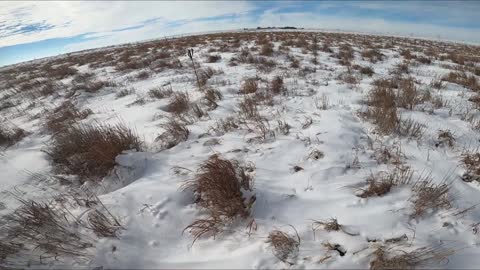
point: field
(254, 149)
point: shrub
(90, 150)
(218, 187)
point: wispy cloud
(89, 24)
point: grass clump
(64, 116)
(277, 85)
(386, 258)
(285, 246)
(382, 183)
(160, 92)
(219, 187)
(175, 133)
(10, 136)
(249, 86)
(89, 151)
(382, 110)
(179, 103)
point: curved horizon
(30, 31)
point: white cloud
(72, 18)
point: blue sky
(30, 30)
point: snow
(154, 209)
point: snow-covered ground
(292, 186)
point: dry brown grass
(160, 92)
(179, 103)
(89, 151)
(249, 86)
(407, 54)
(383, 110)
(367, 71)
(204, 75)
(276, 86)
(387, 258)
(248, 108)
(225, 125)
(285, 246)
(65, 116)
(7, 249)
(430, 197)
(175, 132)
(218, 187)
(445, 137)
(266, 49)
(125, 92)
(401, 68)
(349, 78)
(407, 94)
(47, 231)
(411, 129)
(461, 78)
(39, 233)
(213, 58)
(104, 225)
(345, 55)
(471, 160)
(382, 183)
(212, 95)
(10, 135)
(327, 225)
(372, 55)
(424, 60)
